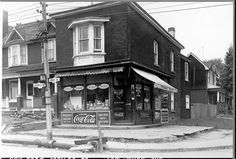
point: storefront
(115, 95)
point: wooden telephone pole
(46, 72)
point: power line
(156, 12)
(174, 5)
(219, 5)
(153, 12)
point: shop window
(146, 96)
(139, 96)
(97, 96)
(143, 97)
(74, 98)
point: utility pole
(46, 72)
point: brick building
(115, 63)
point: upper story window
(186, 71)
(17, 55)
(88, 40)
(211, 78)
(156, 53)
(172, 62)
(51, 50)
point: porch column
(19, 98)
(218, 97)
(55, 87)
(19, 87)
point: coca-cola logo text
(84, 119)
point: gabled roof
(134, 5)
(27, 32)
(191, 54)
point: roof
(191, 54)
(185, 58)
(134, 5)
(28, 31)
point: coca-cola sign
(84, 118)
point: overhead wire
(154, 12)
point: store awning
(89, 72)
(158, 83)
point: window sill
(17, 65)
(89, 54)
(158, 66)
(51, 61)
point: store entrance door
(121, 109)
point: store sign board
(66, 118)
(84, 118)
(79, 88)
(103, 86)
(145, 114)
(104, 118)
(68, 89)
(92, 87)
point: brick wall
(115, 34)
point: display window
(74, 98)
(143, 97)
(147, 98)
(97, 96)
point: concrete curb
(168, 150)
(40, 143)
(142, 140)
(110, 127)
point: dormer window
(88, 40)
(17, 55)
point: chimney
(5, 23)
(171, 31)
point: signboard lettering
(67, 118)
(84, 118)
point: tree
(227, 75)
(217, 66)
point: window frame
(187, 101)
(156, 52)
(172, 102)
(18, 54)
(91, 39)
(172, 61)
(186, 71)
(54, 49)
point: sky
(207, 32)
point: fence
(200, 110)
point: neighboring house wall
(141, 36)
(199, 80)
(199, 96)
(185, 90)
(115, 35)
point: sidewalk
(159, 139)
